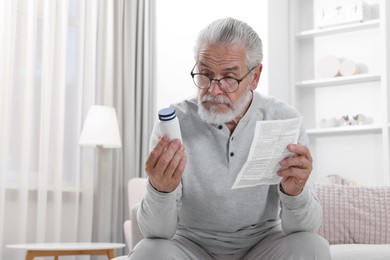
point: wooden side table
(61, 249)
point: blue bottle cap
(167, 114)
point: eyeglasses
(226, 84)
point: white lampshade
(101, 128)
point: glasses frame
(219, 80)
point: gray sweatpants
(278, 246)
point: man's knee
(306, 245)
(152, 249)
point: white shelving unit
(357, 153)
(366, 77)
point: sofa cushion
(354, 214)
(360, 252)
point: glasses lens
(225, 84)
(201, 81)
(229, 84)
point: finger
(174, 162)
(157, 151)
(300, 149)
(298, 174)
(167, 155)
(296, 161)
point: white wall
(178, 24)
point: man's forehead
(224, 66)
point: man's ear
(256, 76)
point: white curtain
(126, 80)
(57, 58)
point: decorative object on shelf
(330, 13)
(330, 66)
(346, 120)
(337, 179)
(348, 68)
(362, 119)
(330, 122)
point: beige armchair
(136, 189)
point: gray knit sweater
(204, 208)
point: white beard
(211, 116)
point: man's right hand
(165, 164)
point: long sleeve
(157, 215)
(302, 212)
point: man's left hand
(295, 169)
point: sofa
(356, 219)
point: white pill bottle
(169, 123)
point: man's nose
(214, 88)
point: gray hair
(232, 31)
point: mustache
(218, 99)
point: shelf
(338, 80)
(338, 29)
(344, 130)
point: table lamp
(101, 128)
